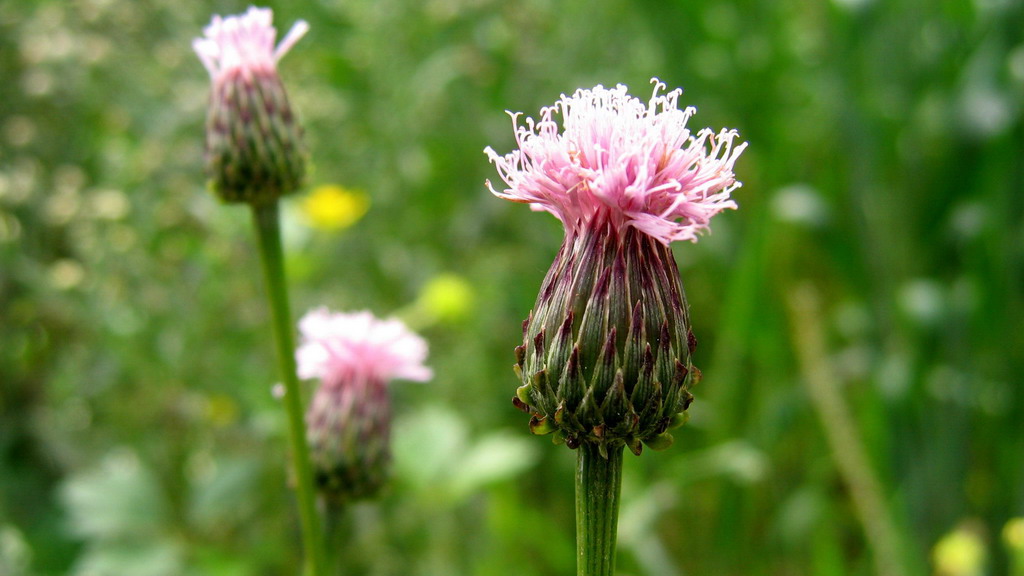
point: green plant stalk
(598, 486)
(337, 532)
(841, 433)
(268, 232)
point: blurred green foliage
(138, 432)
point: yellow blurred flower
(960, 553)
(1013, 533)
(447, 298)
(332, 207)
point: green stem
(268, 231)
(337, 532)
(841, 432)
(598, 484)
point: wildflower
(961, 552)
(349, 419)
(254, 147)
(1013, 533)
(446, 298)
(331, 207)
(606, 350)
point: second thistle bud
(606, 351)
(254, 144)
(348, 424)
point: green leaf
(120, 498)
(159, 558)
(496, 457)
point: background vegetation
(859, 317)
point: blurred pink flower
(634, 164)
(255, 152)
(348, 422)
(244, 42)
(341, 348)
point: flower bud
(348, 427)
(254, 145)
(606, 351)
(348, 424)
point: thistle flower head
(348, 424)
(244, 44)
(606, 352)
(635, 164)
(340, 347)
(254, 147)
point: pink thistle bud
(348, 424)
(606, 350)
(254, 147)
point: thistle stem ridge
(598, 489)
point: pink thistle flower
(348, 423)
(634, 164)
(606, 355)
(339, 347)
(254, 145)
